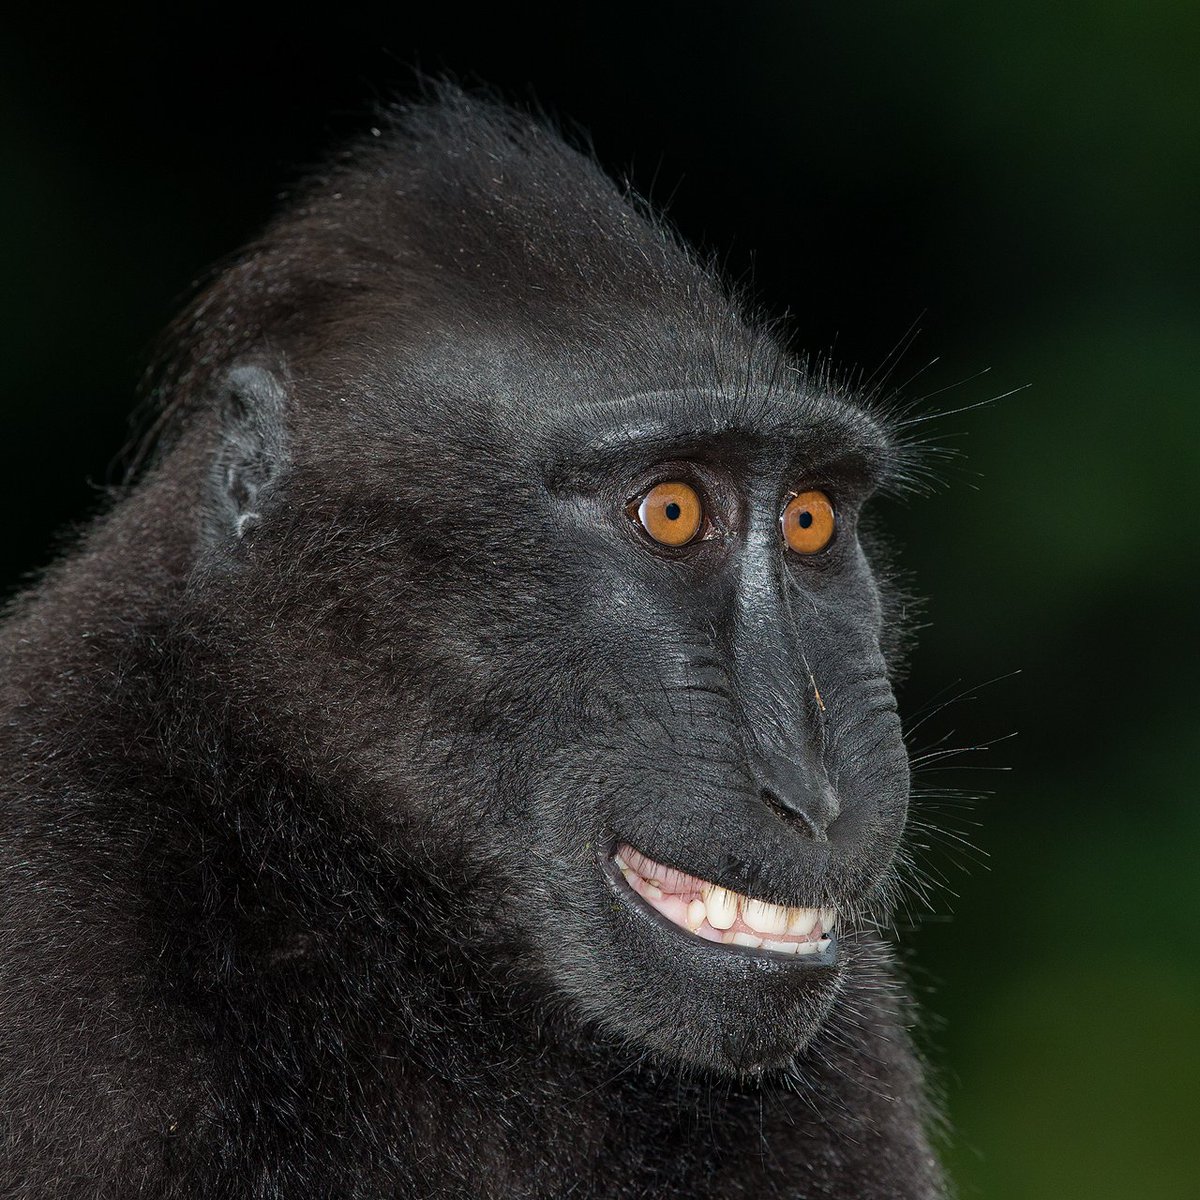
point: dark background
(1021, 180)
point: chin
(699, 975)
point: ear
(250, 451)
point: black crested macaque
(463, 763)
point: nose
(799, 793)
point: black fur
(314, 748)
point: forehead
(562, 416)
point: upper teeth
(720, 905)
(766, 918)
(718, 914)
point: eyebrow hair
(769, 415)
(835, 435)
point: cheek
(845, 640)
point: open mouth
(719, 915)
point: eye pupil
(672, 511)
(804, 519)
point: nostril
(794, 814)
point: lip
(713, 951)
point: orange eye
(671, 513)
(808, 522)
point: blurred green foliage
(1025, 175)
